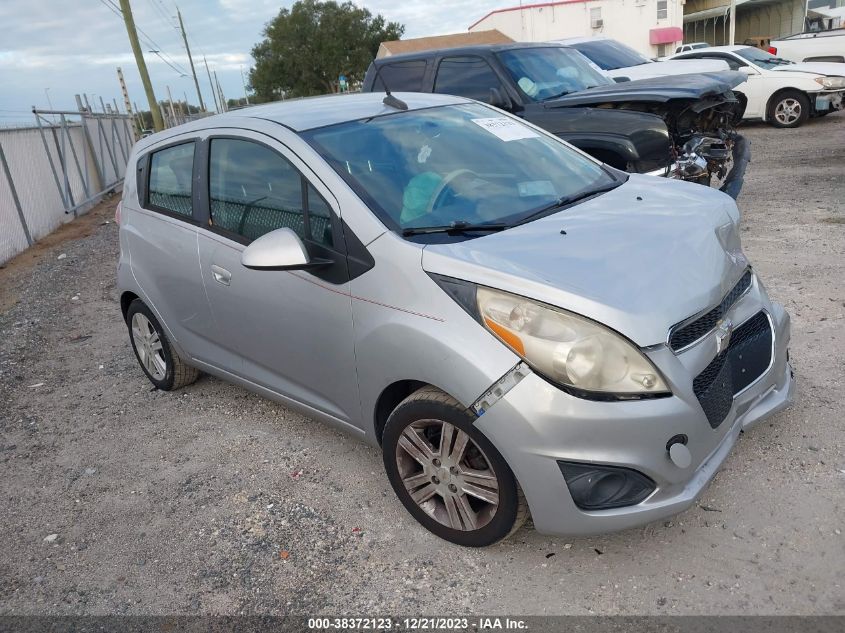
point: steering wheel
(448, 179)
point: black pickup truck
(680, 126)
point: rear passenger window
(171, 175)
(253, 190)
(467, 77)
(400, 77)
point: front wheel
(789, 109)
(447, 474)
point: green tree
(305, 48)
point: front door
(288, 331)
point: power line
(149, 41)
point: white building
(653, 27)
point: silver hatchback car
(518, 327)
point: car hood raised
(670, 68)
(657, 89)
(815, 68)
(639, 258)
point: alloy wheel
(447, 475)
(788, 111)
(148, 346)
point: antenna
(389, 100)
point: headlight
(831, 82)
(567, 348)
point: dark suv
(680, 126)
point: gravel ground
(214, 500)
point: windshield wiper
(458, 226)
(566, 201)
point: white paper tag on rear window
(506, 129)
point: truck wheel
(789, 109)
(447, 474)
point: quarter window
(662, 9)
(253, 190)
(171, 175)
(467, 77)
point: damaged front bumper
(732, 185)
(829, 100)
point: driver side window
(467, 77)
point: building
(653, 27)
(415, 45)
(709, 20)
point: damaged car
(515, 326)
(680, 127)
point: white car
(619, 62)
(777, 90)
(683, 48)
(820, 46)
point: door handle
(221, 275)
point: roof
(312, 112)
(399, 47)
(481, 49)
(522, 7)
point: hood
(656, 89)
(816, 68)
(637, 265)
(672, 67)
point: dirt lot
(192, 502)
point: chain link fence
(57, 169)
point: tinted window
(467, 77)
(609, 54)
(319, 218)
(403, 76)
(253, 190)
(171, 173)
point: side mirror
(747, 70)
(498, 100)
(278, 250)
(620, 80)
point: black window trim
(338, 247)
(144, 174)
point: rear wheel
(447, 474)
(789, 109)
(160, 362)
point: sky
(51, 50)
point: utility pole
(246, 96)
(190, 59)
(211, 83)
(223, 105)
(158, 124)
(732, 30)
(126, 101)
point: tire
(470, 496)
(788, 109)
(165, 369)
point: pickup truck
(820, 46)
(679, 127)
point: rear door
(287, 331)
(161, 236)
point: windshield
(610, 54)
(761, 58)
(546, 73)
(452, 165)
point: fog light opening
(596, 487)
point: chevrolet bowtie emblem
(724, 330)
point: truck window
(400, 77)
(466, 77)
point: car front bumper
(829, 100)
(535, 425)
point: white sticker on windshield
(506, 129)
